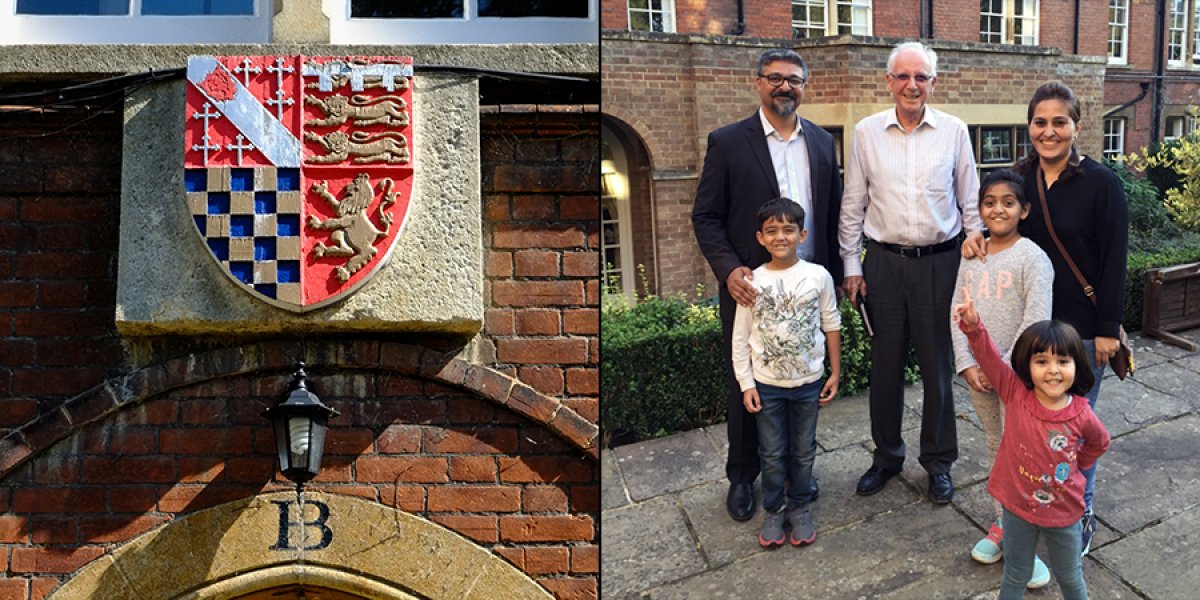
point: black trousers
(909, 300)
(741, 466)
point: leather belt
(918, 251)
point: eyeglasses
(920, 78)
(777, 80)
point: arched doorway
(629, 236)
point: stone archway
(271, 543)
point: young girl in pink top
(1050, 436)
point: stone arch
(638, 175)
(120, 393)
(231, 550)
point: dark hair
(1057, 337)
(781, 209)
(777, 54)
(1054, 90)
(1014, 181)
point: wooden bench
(1172, 303)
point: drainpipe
(929, 32)
(1075, 39)
(1145, 90)
(925, 19)
(741, 23)
(1156, 100)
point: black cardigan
(1091, 218)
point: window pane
(72, 7)
(996, 145)
(638, 4)
(197, 7)
(389, 9)
(639, 21)
(534, 8)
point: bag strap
(1088, 290)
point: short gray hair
(930, 55)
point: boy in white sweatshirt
(779, 349)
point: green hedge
(662, 369)
(1185, 250)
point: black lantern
(300, 422)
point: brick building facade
(484, 444)
(669, 82)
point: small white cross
(280, 99)
(245, 69)
(207, 145)
(240, 147)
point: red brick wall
(59, 198)
(425, 448)
(897, 18)
(957, 20)
(541, 174)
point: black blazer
(738, 178)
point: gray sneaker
(772, 530)
(804, 529)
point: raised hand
(965, 312)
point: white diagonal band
(252, 119)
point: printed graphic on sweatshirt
(789, 325)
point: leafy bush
(1150, 224)
(662, 368)
(1182, 199)
(1163, 177)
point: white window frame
(832, 25)
(667, 11)
(615, 193)
(1177, 27)
(1178, 126)
(134, 27)
(1008, 19)
(1114, 138)
(470, 29)
(1118, 24)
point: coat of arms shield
(299, 169)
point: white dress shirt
(790, 159)
(915, 188)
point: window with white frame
(1118, 32)
(1180, 126)
(652, 15)
(1114, 138)
(1177, 32)
(998, 146)
(135, 21)
(817, 18)
(616, 237)
(463, 21)
(1008, 22)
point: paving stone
(1149, 475)
(846, 421)
(973, 463)
(644, 545)
(1127, 405)
(669, 464)
(1171, 379)
(719, 437)
(915, 552)
(1139, 558)
(612, 484)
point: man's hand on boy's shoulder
(740, 286)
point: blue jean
(1092, 395)
(1063, 546)
(787, 443)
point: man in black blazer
(772, 153)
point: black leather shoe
(941, 488)
(874, 479)
(740, 501)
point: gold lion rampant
(385, 110)
(354, 234)
(387, 146)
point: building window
(1114, 138)
(1118, 31)
(616, 237)
(1008, 22)
(464, 22)
(999, 146)
(1176, 32)
(817, 18)
(135, 21)
(1181, 126)
(652, 15)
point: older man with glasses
(911, 188)
(773, 153)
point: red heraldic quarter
(299, 169)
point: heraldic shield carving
(298, 169)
